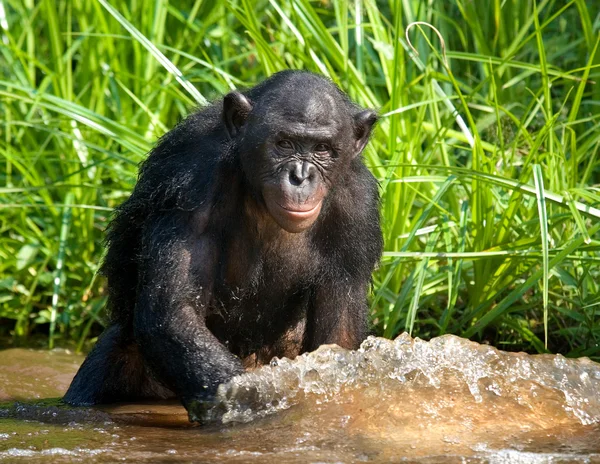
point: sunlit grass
(487, 154)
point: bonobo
(252, 232)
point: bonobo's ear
(236, 108)
(363, 123)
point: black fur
(203, 280)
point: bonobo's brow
(301, 131)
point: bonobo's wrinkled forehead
(301, 99)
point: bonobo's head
(296, 134)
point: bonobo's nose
(300, 171)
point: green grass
(487, 153)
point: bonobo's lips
(293, 218)
(300, 214)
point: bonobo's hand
(200, 410)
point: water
(447, 400)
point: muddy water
(447, 400)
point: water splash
(447, 400)
(547, 386)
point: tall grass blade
(541, 204)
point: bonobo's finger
(201, 411)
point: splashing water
(384, 369)
(446, 400)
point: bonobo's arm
(337, 314)
(338, 311)
(176, 281)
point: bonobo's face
(295, 141)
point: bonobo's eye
(322, 148)
(285, 145)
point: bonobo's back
(176, 176)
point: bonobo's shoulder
(181, 170)
(201, 130)
(354, 205)
(360, 186)
(349, 235)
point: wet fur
(201, 278)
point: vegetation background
(487, 152)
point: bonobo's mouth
(301, 213)
(296, 218)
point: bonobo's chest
(261, 295)
(268, 263)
